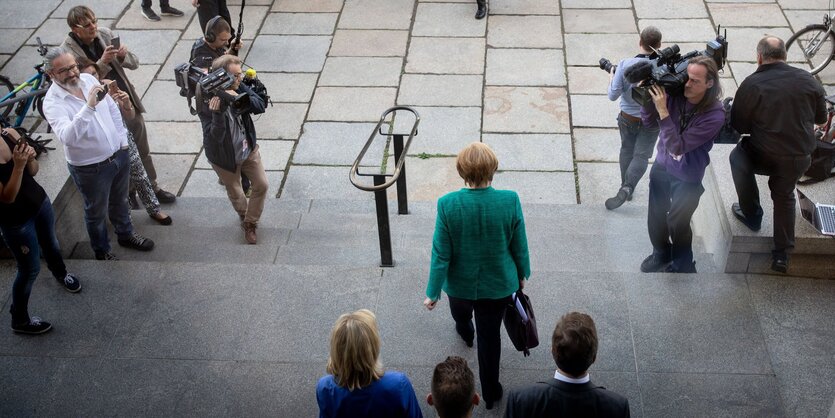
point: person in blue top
(357, 386)
(636, 139)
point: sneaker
(170, 11)
(165, 197)
(35, 326)
(101, 255)
(780, 263)
(249, 233)
(750, 223)
(137, 242)
(655, 264)
(150, 15)
(619, 199)
(70, 283)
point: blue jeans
(26, 242)
(104, 189)
(636, 145)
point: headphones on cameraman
(210, 34)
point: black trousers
(488, 322)
(671, 206)
(211, 8)
(783, 173)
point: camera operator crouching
(229, 141)
(688, 125)
(636, 139)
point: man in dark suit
(570, 393)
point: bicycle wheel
(6, 87)
(817, 44)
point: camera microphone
(638, 72)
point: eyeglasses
(239, 75)
(89, 25)
(65, 70)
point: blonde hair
(476, 164)
(354, 358)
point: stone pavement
(194, 333)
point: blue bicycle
(25, 95)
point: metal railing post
(383, 227)
(402, 199)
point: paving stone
(280, 121)
(597, 145)
(736, 14)
(736, 395)
(350, 104)
(317, 6)
(440, 19)
(440, 90)
(21, 65)
(586, 49)
(681, 30)
(369, 43)
(336, 143)
(538, 187)
(175, 138)
(172, 170)
(388, 14)
(429, 179)
(525, 67)
(745, 42)
(301, 54)
(585, 80)
(593, 111)
(194, 31)
(299, 24)
(275, 154)
(110, 9)
(599, 21)
(133, 19)
(515, 32)
(532, 152)
(600, 181)
(742, 70)
(253, 16)
(648, 9)
(289, 87)
(53, 32)
(36, 12)
(524, 7)
(4, 58)
(203, 183)
(317, 182)
(595, 4)
(431, 55)
(142, 77)
(180, 55)
(443, 130)
(799, 19)
(526, 109)
(14, 38)
(150, 46)
(53, 173)
(361, 71)
(163, 91)
(803, 4)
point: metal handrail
(400, 161)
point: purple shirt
(684, 152)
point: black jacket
(217, 139)
(560, 399)
(779, 105)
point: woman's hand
(429, 303)
(659, 97)
(22, 154)
(521, 283)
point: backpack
(727, 135)
(823, 161)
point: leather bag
(520, 323)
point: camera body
(192, 82)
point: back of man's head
(651, 38)
(224, 61)
(771, 49)
(574, 343)
(453, 388)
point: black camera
(668, 68)
(192, 82)
(606, 65)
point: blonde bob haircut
(476, 164)
(355, 350)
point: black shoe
(165, 197)
(162, 221)
(150, 15)
(479, 14)
(137, 242)
(35, 326)
(780, 263)
(655, 264)
(170, 11)
(108, 256)
(629, 198)
(134, 203)
(687, 268)
(70, 283)
(619, 199)
(489, 402)
(752, 225)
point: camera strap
(684, 118)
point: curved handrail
(399, 166)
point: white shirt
(561, 377)
(89, 136)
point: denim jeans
(104, 189)
(672, 203)
(26, 242)
(636, 145)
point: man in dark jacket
(570, 393)
(229, 141)
(778, 105)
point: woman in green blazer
(479, 258)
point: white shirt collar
(563, 378)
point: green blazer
(480, 250)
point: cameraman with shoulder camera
(778, 105)
(229, 140)
(636, 139)
(688, 125)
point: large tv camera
(668, 68)
(193, 82)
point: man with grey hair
(778, 106)
(95, 145)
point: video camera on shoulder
(193, 82)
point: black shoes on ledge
(149, 13)
(752, 224)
